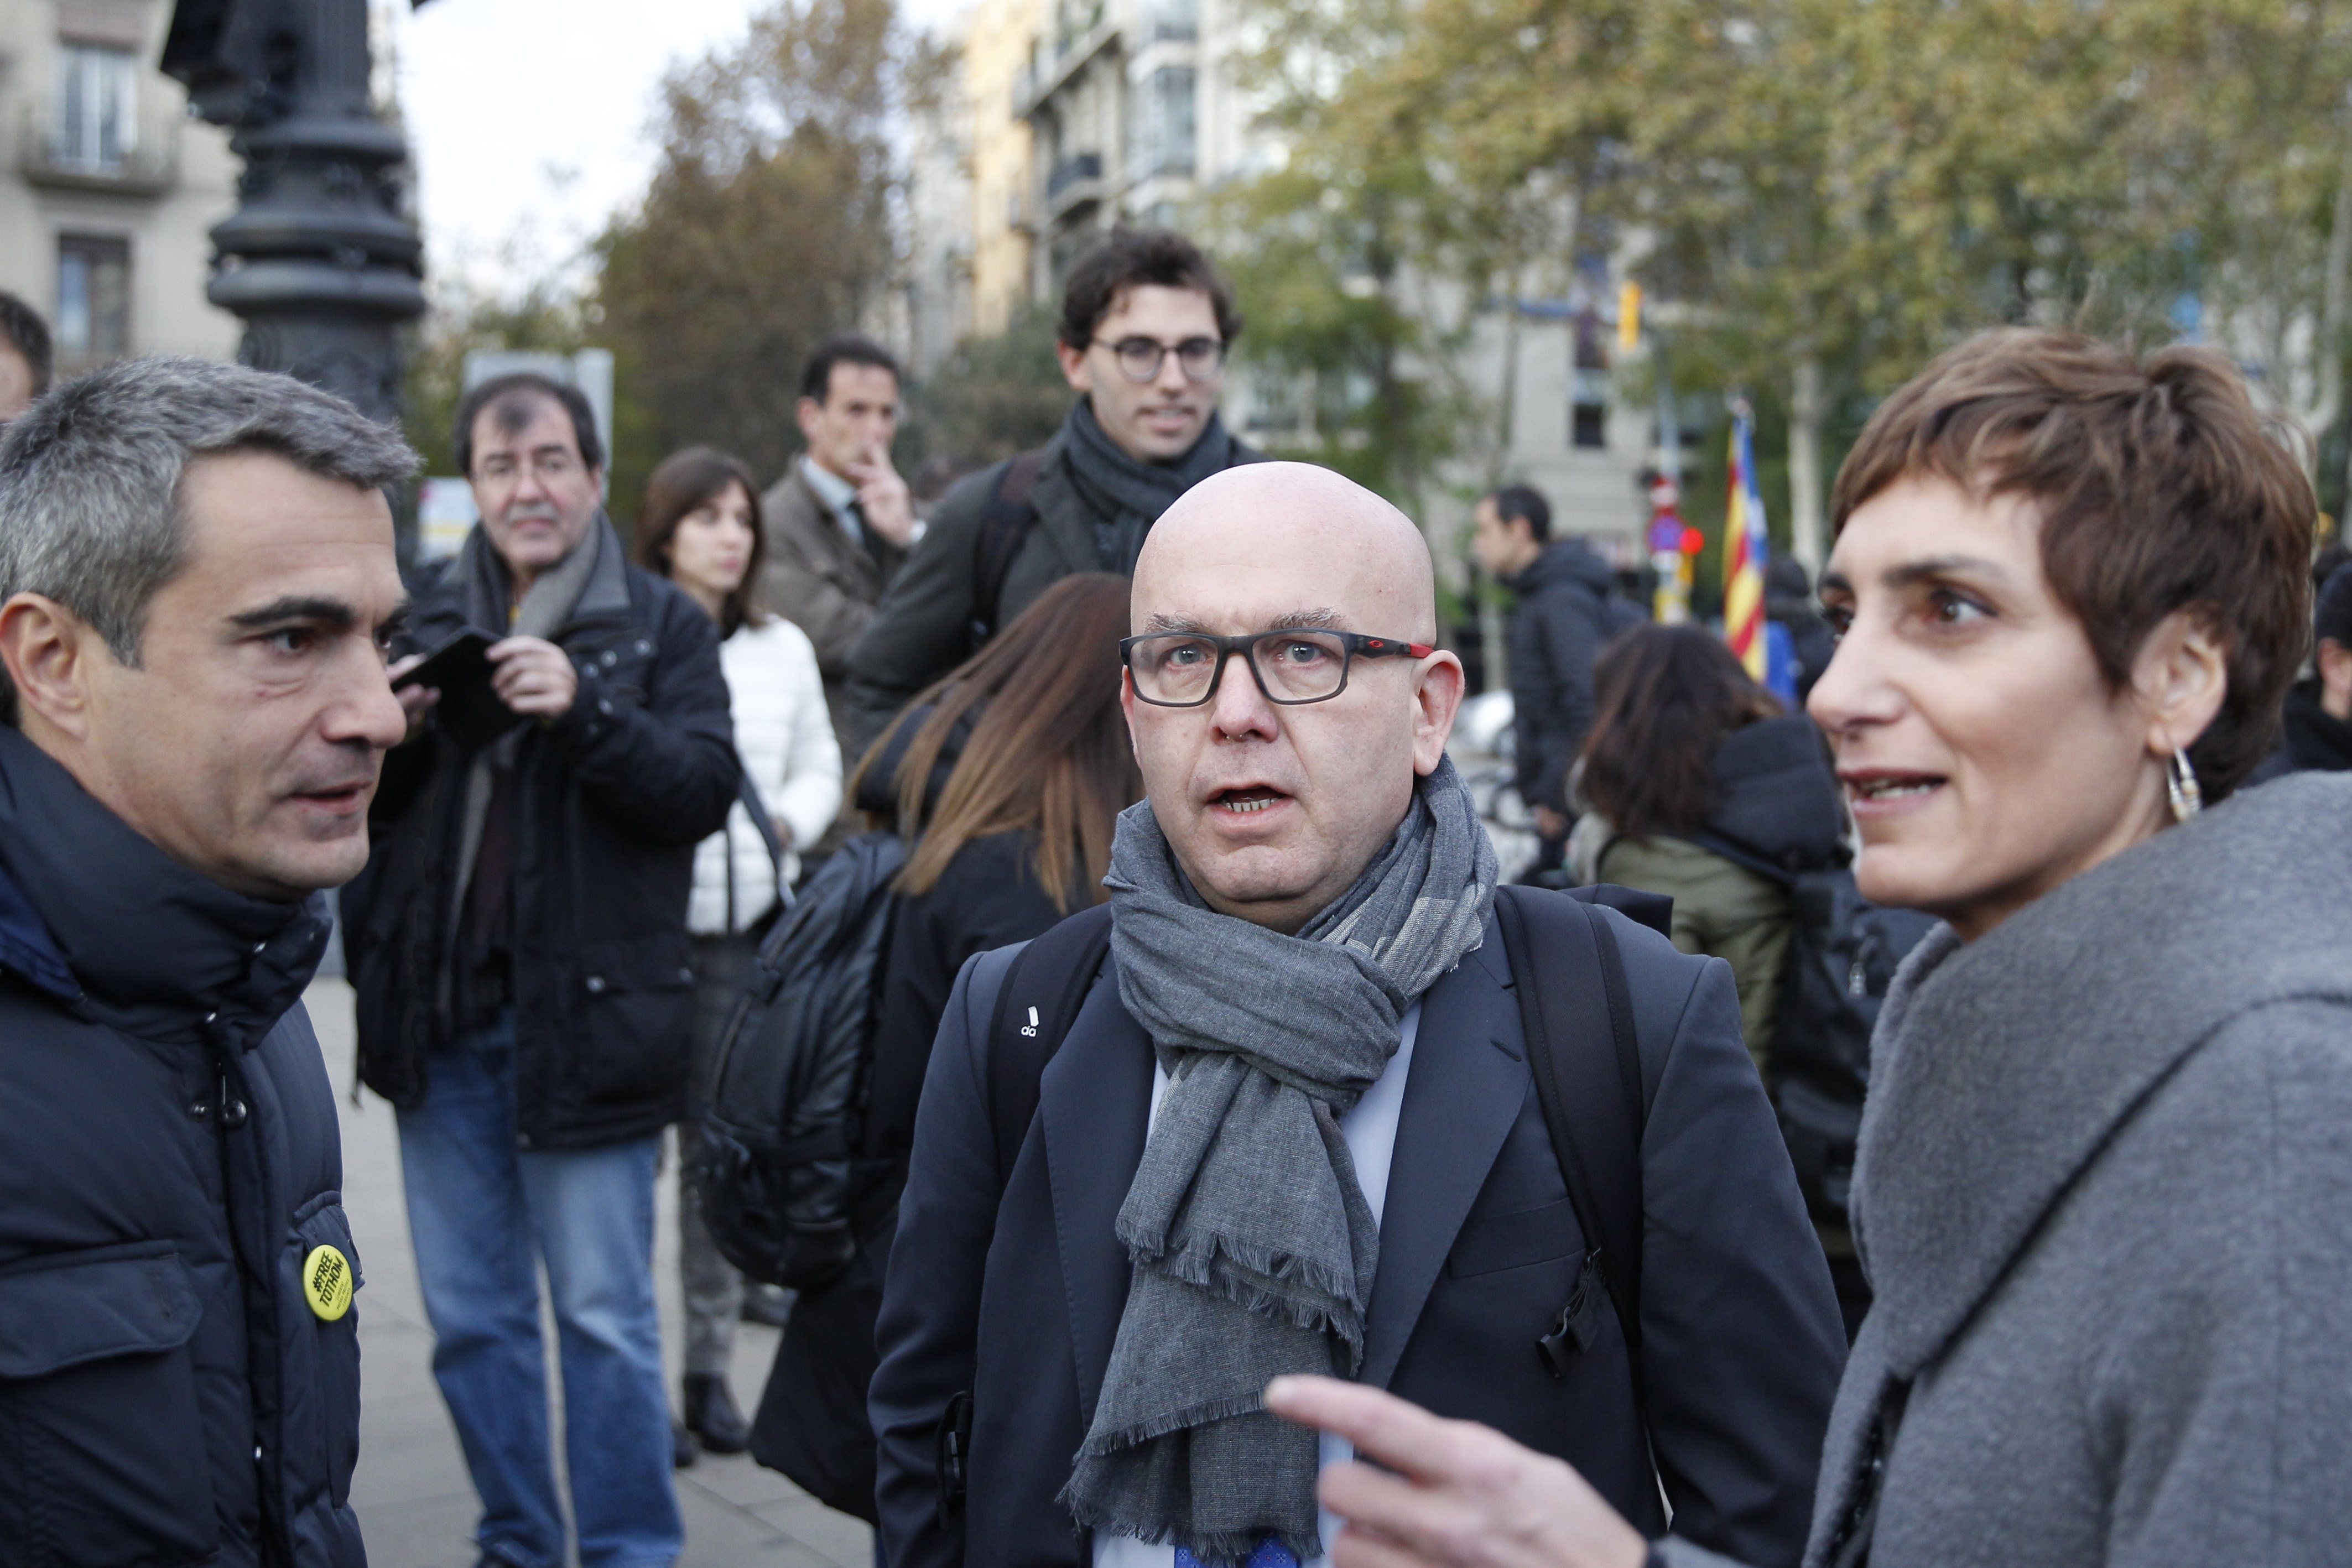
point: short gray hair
(89, 478)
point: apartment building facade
(107, 187)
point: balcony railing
(149, 167)
(1070, 170)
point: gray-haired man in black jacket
(196, 584)
(519, 946)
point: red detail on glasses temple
(1382, 645)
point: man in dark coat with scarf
(525, 984)
(196, 582)
(1147, 322)
(1292, 1126)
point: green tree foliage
(1821, 193)
(770, 225)
(992, 396)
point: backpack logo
(1030, 1029)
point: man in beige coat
(840, 521)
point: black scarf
(1125, 497)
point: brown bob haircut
(1664, 697)
(1048, 753)
(2162, 487)
(685, 481)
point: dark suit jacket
(1480, 1249)
(821, 578)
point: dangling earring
(2180, 784)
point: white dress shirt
(1370, 1130)
(838, 495)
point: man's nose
(362, 708)
(1171, 379)
(1240, 709)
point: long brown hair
(1048, 751)
(1663, 698)
(685, 481)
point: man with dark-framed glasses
(1147, 322)
(1275, 1106)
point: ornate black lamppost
(319, 259)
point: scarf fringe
(1224, 1548)
(1250, 1277)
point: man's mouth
(337, 796)
(1246, 801)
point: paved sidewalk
(415, 1503)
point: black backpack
(779, 1168)
(1843, 954)
(1585, 1060)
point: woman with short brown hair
(2104, 1192)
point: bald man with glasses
(1281, 1106)
(1147, 322)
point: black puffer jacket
(610, 801)
(169, 1164)
(1568, 607)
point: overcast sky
(529, 118)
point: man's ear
(2182, 673)
(1074, 367)
(1436, 698)
(48, 651)
(810, 413)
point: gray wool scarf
(1254, 1249)
(547, 608)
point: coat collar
(1466, 1086)
(2002, 1067)
(92, 913)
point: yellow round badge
(327, 1281)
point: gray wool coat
(2105, 1196)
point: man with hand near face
(840, 524)
(1292, 1126)
(197, 586)
(1147, 322)
(525, 984)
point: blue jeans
(484, 1216)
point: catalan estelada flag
(1743, 550)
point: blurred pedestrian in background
(1695, 786)
(838, 526)
(1565, 609)
(2102, 1194)
(197, 570)
(1789, 603)
(1007, 779)
(2319, 707)
(1686, 748)
(25, 359)
(1147, 322)
(525, 981)
(699, 527)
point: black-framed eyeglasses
(1140, 358)
(1181, 669)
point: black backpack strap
(1587, 1067)
(1043, 989)
(1003, 530)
